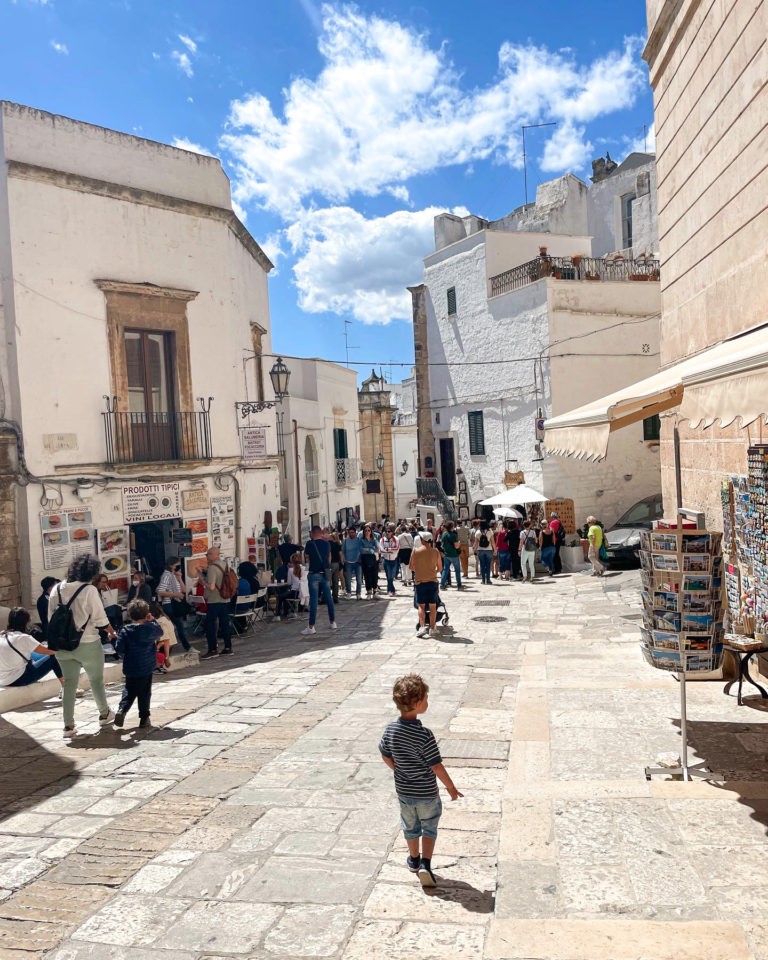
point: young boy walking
(410, 749)
(136, 644)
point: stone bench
(13, 698)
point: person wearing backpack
(529, 541)
(486, 547)
(76, 619)
(218, 593)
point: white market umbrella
(522, 493)
(508, 512)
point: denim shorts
(419, 818)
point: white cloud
(273, 247)
(60, 47)
(183, 144)
(566, 149)
(183, 62)
(313, 14)
(348, 264)
(365, 124)
(188, 42)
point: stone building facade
(376, 451)
(708, 65)
(518, 320)
(135, 320)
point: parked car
(622, 541)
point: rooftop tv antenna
(531, 126)
(347, 348)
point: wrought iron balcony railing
(142, 437)
(574, 268)
(430, 491)
(347, 472)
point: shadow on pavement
(25, 768)
(457, 891)
(738, 752)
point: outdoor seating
(246, 613)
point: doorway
(448, 466)
(150, 544)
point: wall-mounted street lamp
(279, 375)
(380, 462)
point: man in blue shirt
(351, 548)
(317, 553)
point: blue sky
(346, 127)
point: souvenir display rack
(745, 546)
(682, 613)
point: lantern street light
(380, 462)
(280, 375)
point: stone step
(13, 698)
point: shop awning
(725, 383)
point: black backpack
(484, 541)
(62, 633)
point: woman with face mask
(171, 597)
(139, 589)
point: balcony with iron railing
(313, 483)
(430, 492)
(134, 437)
(347, 472)
(574, 268)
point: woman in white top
(170, 596)
(89, 616)
(297, 579)
(405, 549)
(17, 666)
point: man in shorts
(426, 564)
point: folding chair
(199, 615)
(244, 610)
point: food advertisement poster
(223, 524)
(114, 549)
(195, 559)
(66, 534)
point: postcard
(701, 644)
(696, 603)
(697, 622)
(665, 620)
(696, 562)
(696, 543)
(696, 584)
(666, 542)
(665, 561)
(663, 600)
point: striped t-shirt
(414, 749)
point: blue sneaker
(413, 864)
(426, 877)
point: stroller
(441, 612)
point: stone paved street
(258, 820)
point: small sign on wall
(196, 499)
(253, 441)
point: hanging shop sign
(144, 502)
(196, 499)
(253, 441)
(66, 534)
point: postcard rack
(682, 628)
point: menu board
(223, 524)
(114, 549)
(682, 575)
(66, 533)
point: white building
(134, 315)
(519, 317)
(405, 448)
(321, 427)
